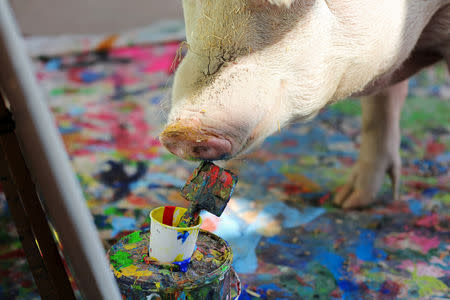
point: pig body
(253, 66)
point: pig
(253, 66)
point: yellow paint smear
(132, 270)
(179, 257)
(130, 246)
(198, 255)
(307, 184)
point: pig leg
(380, 145)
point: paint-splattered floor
(289, 242)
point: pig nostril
(199, 149)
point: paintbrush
(208, 188)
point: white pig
(253, 66)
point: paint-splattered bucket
(209, 274)
(169, 243)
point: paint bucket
(209, 275)
(169, 243)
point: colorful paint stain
(288, 240)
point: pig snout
(186, 139)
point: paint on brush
(208, 188)
(209, 276)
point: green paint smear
(431, 112)
(414, 255)
(136, 287)
(444, 198)
(121, 259)
(134, 237)
(111, 211)
(426, 284)
(426, 180)
(324, 283)
(349, 107)
(165, 272)
(419, 113)
(67, 90)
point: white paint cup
(170, 244)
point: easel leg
(29, 217)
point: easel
(29, 217)
(35, 156)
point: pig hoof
(366, 180)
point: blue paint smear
(97, 148)
(443, 158)
(183, 236)
(157, 99)
(244, 237)
(69, 129)
(182, 296)
(53, 64)
(277, 241)
(331, 261)
(157, 178)
(291, 216)
(244, 295)
(120, 224)
(430, 192)
(338, 138)
(334, 263)
(91, 76)
(416, 207)
(365, 247)
(76, 111)
(262, 291)
(183, 264)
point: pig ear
(285, 3)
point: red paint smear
(226, 179)
(428, 221)
(293, 189)
(168, 215)
(324, 198)
(346, 161)
(434, 148)
(336, 293)
(103, 116)
(163, 63)
(426, 244)
(136, 200)
(19, 253)
(390, 289)
(74, 75)
(290, 143)
(214, 173)
(301, 281)
(136, 53)
(26, 283)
